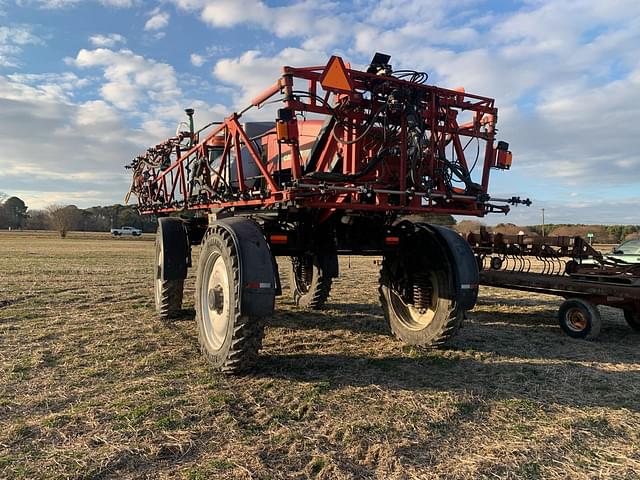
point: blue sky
(85, 85)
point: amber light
(279, 239)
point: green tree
(4, 222)
(15, 212)
(38, 220)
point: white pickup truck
(116, 232)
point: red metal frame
(162, 187)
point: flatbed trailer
(570, 269)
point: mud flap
(462, 261)
(258, 282)
(176, 250)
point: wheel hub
(216, 299)
(577, 321)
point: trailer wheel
(168, 293)
(310, 284)
(228, 340)
(633, 318)
(579, 318)
(423, 312)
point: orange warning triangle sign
(335, 76)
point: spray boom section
(340, 139)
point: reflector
(335, 76)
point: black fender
(462, 262)
(258, 280)
(177, 252)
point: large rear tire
(310, 284)
(229, 340)
(419, 307)
(168, 293)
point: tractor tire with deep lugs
(168, 291)
(169, 295)
(426, 316)
(229, 340)
(310, 283)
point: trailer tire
(168, 293)
(310, 283)
(229, 340)
(633, 318)
(434, 323)
(579, 318)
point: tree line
(599, 233)
(16, 215)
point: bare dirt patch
(93, 386)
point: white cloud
(60, 86)
(110, 40)
(228, 13)
(319, 22)
(197, 60)
(145, 90)
(130, 78)
(253, 72)
(157, 21)
(581, 136)
(12, 42)
(86, 144)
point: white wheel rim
(214, 299)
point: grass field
(93, 386)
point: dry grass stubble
(93, 386)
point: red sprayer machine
(350, 160)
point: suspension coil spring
(422, 291)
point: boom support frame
(389, 145)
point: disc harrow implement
(568, 267)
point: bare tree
(63, 218)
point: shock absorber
(422, 291)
